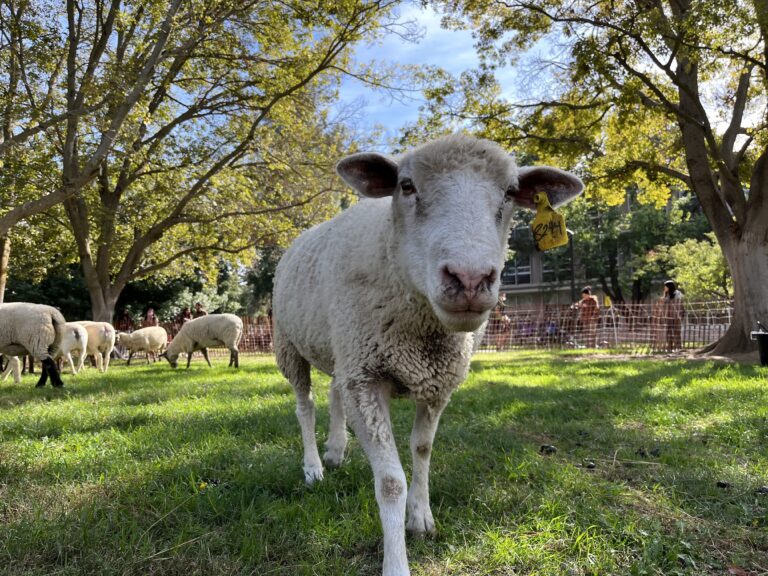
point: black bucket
(762, 346)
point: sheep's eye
(509, 194)
(406, 185)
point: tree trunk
(748, 261)
(5, 255)
(103, 309)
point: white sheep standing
(152, 340)
(101, 342)
(398, 284)
(33, 329)
(206, 332)
(14, 365)
(74, 339)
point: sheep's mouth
(461, 320)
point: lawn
(659, 468)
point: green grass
(154, 471)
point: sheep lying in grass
(151, 340)
(101, 342)
(397, 285)
(206, 332)
(74, 339)
(14, 365)
(34, 329)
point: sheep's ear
(372, 175)
(560, 186)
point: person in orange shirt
(589, 315)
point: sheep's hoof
(333, 458)
(420, 524)
(313, 474)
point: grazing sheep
(14, 365)
(385, 298)
(74, 339)
(34, 329)
(101, 341)
(151, 340)
(204, 332)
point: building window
(518, 270)
(555, 266)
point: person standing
(150, 318)
(184, 316)
(199, 310)
(672, 306)
(589, 315)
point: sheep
(399, 284)
(34, 329)
(204, 332)
(14, 365)
(74, 339)
(151, 340)
(101, 341)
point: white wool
(150, 340)
(385, 297)
(30, 329)
(14, 365)
(101, 341)
(206, 332)
(74, 339)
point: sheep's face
(452, 204)
(173, 360)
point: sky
(449, 49)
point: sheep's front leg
(420, 519)
(367, 407)
(205, 355)
(337, 433)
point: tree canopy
(175, 130)
(658, 94)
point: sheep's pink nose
(470, 280)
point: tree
(613, 242)
(699, 268)
(655, 91)
(260, 279)
(198, 128)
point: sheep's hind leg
(367, 407)
(420, 519)
(71, 363)
(48, 368)
(234, 358)
(43, 377)
(337, 433)
(296, 369)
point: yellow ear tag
(548, 226)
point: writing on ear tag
(548, 226)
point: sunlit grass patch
(657, 470)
